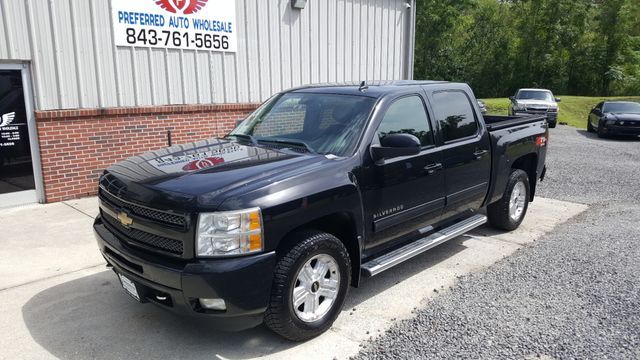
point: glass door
(17, 175)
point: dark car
(319, 186)
(615, 118)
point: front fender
(291, 204)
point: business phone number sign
(208, 25)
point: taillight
(541, 141)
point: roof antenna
(363, 86)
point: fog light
(213, 304)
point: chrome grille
(155, 215)
(136, 236)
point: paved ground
(573, 294)
(57, 300)
(68, 306)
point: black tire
(601, 133)
(499, 212)
(281, 316)
(589, 126)
(553, 124)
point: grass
(573, 109)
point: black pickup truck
(320, 186)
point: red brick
(76, 145)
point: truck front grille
(155, 215)
(138, 237)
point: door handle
(479, 154)
(432, 168)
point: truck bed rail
(497, 122)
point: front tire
(589, 126)
(310, 284)
(601, 133)
(508, 212)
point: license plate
(129, 286)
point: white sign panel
(175, 24)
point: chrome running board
(389, 260)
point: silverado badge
(125, 220)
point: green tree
(582, 47)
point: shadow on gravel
(594, 136)
(92, 317)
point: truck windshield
(534, 95)
(320, 123)
(622, 108)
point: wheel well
(342, 226)
(529, 164)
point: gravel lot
(587, 170)
(573, 294)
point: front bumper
(552, 117)
(621, 130)
(243, 282)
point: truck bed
(497, 122)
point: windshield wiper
(245, 137)
(296, 143)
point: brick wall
(77, 145)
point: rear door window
(454, 113)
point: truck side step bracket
(391, 259)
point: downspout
(409, 40)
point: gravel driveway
(573, 294)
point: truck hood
(201, 173)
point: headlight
(229, 233)
(520, 107)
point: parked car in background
(535, 101)
(483, 106)
(615, 118)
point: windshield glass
(628, 108)
(321, 123)
(534, 95)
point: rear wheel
(552, 124)
(309, 286)
(508, 212)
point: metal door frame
(27, 196)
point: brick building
(84, 84)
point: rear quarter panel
(510, 144)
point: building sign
(175, 24)
(9, 134)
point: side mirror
(512, 98)
(558, 100)
(396, 145)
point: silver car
(535, 101)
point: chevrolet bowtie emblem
(125, 220)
